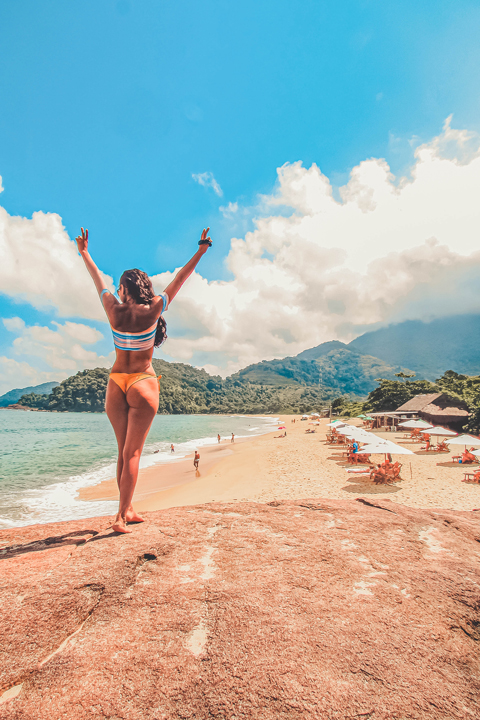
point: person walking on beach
(196, 459)
(233, 438)
(131, 401)
(218, 437)
(172, 448)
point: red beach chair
(468, 458)
(472, 477)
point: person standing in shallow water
(131, 401)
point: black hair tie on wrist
(205, 242)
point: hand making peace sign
(205, 242)
(82, 241)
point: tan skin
(131, 415)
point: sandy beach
(301, 465)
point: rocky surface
(306, 609)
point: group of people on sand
(219, 438)
(196, 457)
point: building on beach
(437, 409)
(434, 408)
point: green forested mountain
(83, 392)
(331, 365)
(428, 348)
(312, 378)
(12, 396)
(185, 389)
(288, 385)
(321, 350)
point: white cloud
(313, 269)
(60, 349)
(80, 332)
(207, 180)
(229, 210)
(391, 249)
(40, 265)
(14, 323)
(14, 374)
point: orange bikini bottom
(126, 380)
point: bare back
(133, 318)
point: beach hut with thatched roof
(437, 409)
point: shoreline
(176, 483)
(264, 469)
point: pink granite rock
(306, 609)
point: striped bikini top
(143, 340)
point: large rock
(306, 609)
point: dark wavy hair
(139, 287)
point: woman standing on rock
(132, 392)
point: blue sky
(109, 107)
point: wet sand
(301, 465)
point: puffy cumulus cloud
(319, 264)
(61, 349)
(40, 265)
(15, 374)
(14, 323)
(207, 180)
(315, 268)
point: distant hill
(321, 350)
(292, 384)
(13, 395)
(185, 389)
(430, 349)
(333, 366)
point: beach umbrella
(336, 423)
(476, 453)
(464, 440)
(352, 431)
(359, 435)
(415, 424)
(382, 447)
(440, 431)
(362, 416)
(385, 446)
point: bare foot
(133, 517)
(120, 526)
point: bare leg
(116, 407)
(142, 401)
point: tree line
(184, 390)
(391, 394)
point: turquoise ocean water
(46, 457)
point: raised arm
(82, 244)
(187, 270)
